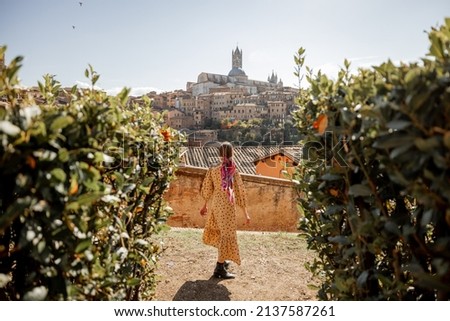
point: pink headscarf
(227, 172)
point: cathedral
(236, 78)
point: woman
(223, 185)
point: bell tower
(236, 58)
(236, 63)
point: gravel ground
(272, 268)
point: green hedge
(375, 180)
(82, 178)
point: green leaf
(333, 209)
(95, 79)
(123, 95)
(41, 246)
(427, 145)
(133, 281)
(412, 75)
(63, 155)
(400, 150)
(362, 279)
(41, 87)
(348, 117)
(61, 122)
(128, 188)
(340, 284)
(436, 48)
(440, 160)
(431, 282)
(14, 210)
(59, 174)
(330, 177)
(346, 64)
(38, 129)
(391, 227)
(393, 140)
(359, 190)
(144, 189)
(83, 245)
(88, 198)
(72, 206)
(398, 178)
(339, 239)
(416, 101)
(9, 128)
(84, 199)
(398, 124)
(147, 181)
(98, 271)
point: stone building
(277, 109)
(236, 78)
(178, 119)
(199, 138)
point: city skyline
(162, 45)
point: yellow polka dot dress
(220, 228)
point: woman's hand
(204, 210)
(247, 218)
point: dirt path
(272, 268)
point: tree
(81, 192)
(374, 179)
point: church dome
(236, 72)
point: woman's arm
(247, 217)
(206, 191)
(204, 210)
(239, 191)
(241, 195)
(207, 188)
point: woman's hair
(227, 169)
(226, 150)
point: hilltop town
(221, 107)
(216, 98)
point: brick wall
(271, 202)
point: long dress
(220, 227)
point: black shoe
(226, 264)
(221, 273)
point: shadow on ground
(202, 290)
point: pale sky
(163, 44)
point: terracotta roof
(244, 156)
